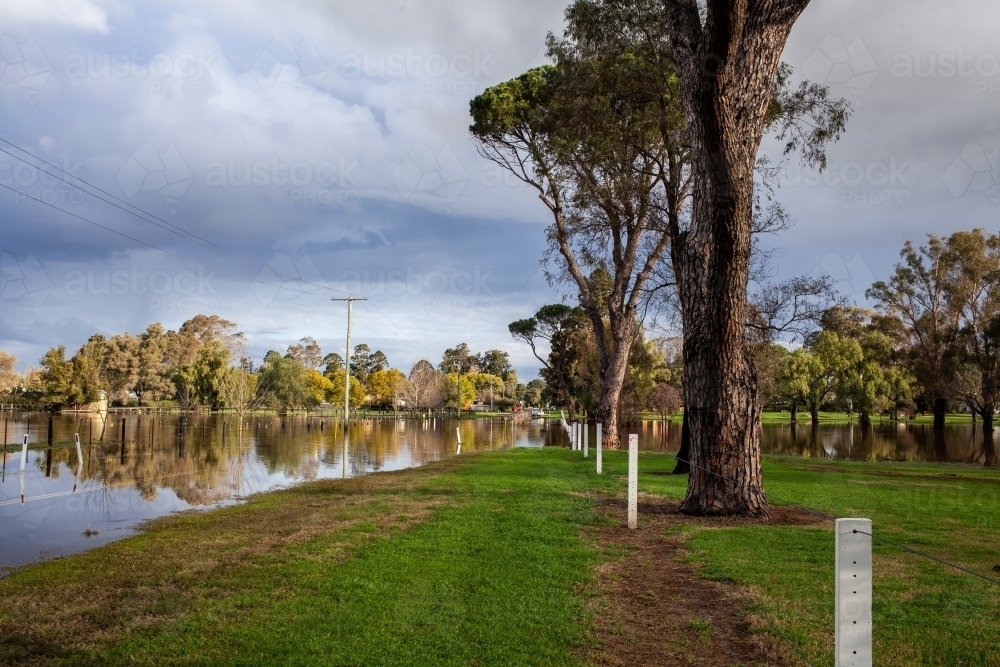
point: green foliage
(534, 393)
(364, 362)
(332, 362)
(238, 389)
(495, 362)
(386, 386)
(321, 388)
(56, 376)
(357, 394)
(284, 383)
(564, 329)
(460, 358)
(468, 389)
(9, 378)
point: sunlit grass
(924, 613)
(483, 560)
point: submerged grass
(482, 560)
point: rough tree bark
(682, 467)
(727, 64)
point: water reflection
(891, 441)
(886, 441)
(136, 467)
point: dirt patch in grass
(64, 608)
(652, 608)
(781, 515)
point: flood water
(69, 500)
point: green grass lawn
(842, 418)
(484, 559)
(924, 613)
(833, 418)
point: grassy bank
(489, 559)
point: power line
(401, 332)
(145, 216)
(380, 337)
(413, 344)
(156, 221)
(150, 245)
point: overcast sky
(328, 141)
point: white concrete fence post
(599, 462)
(586, 440)
(633, 481)
(79, 461)
(24, 452)
(458, 436)
(853, 568)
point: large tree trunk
(611, 387)
(557, 370)
(683, 467)
(727, 65)
(989, 451)
(988, 393)
(940, 408)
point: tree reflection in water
(171, 462)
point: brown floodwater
(68, 500)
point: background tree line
(207, 364)
(930, 343)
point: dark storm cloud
(327, 142)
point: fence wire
(824, 517)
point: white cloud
(78, 14)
